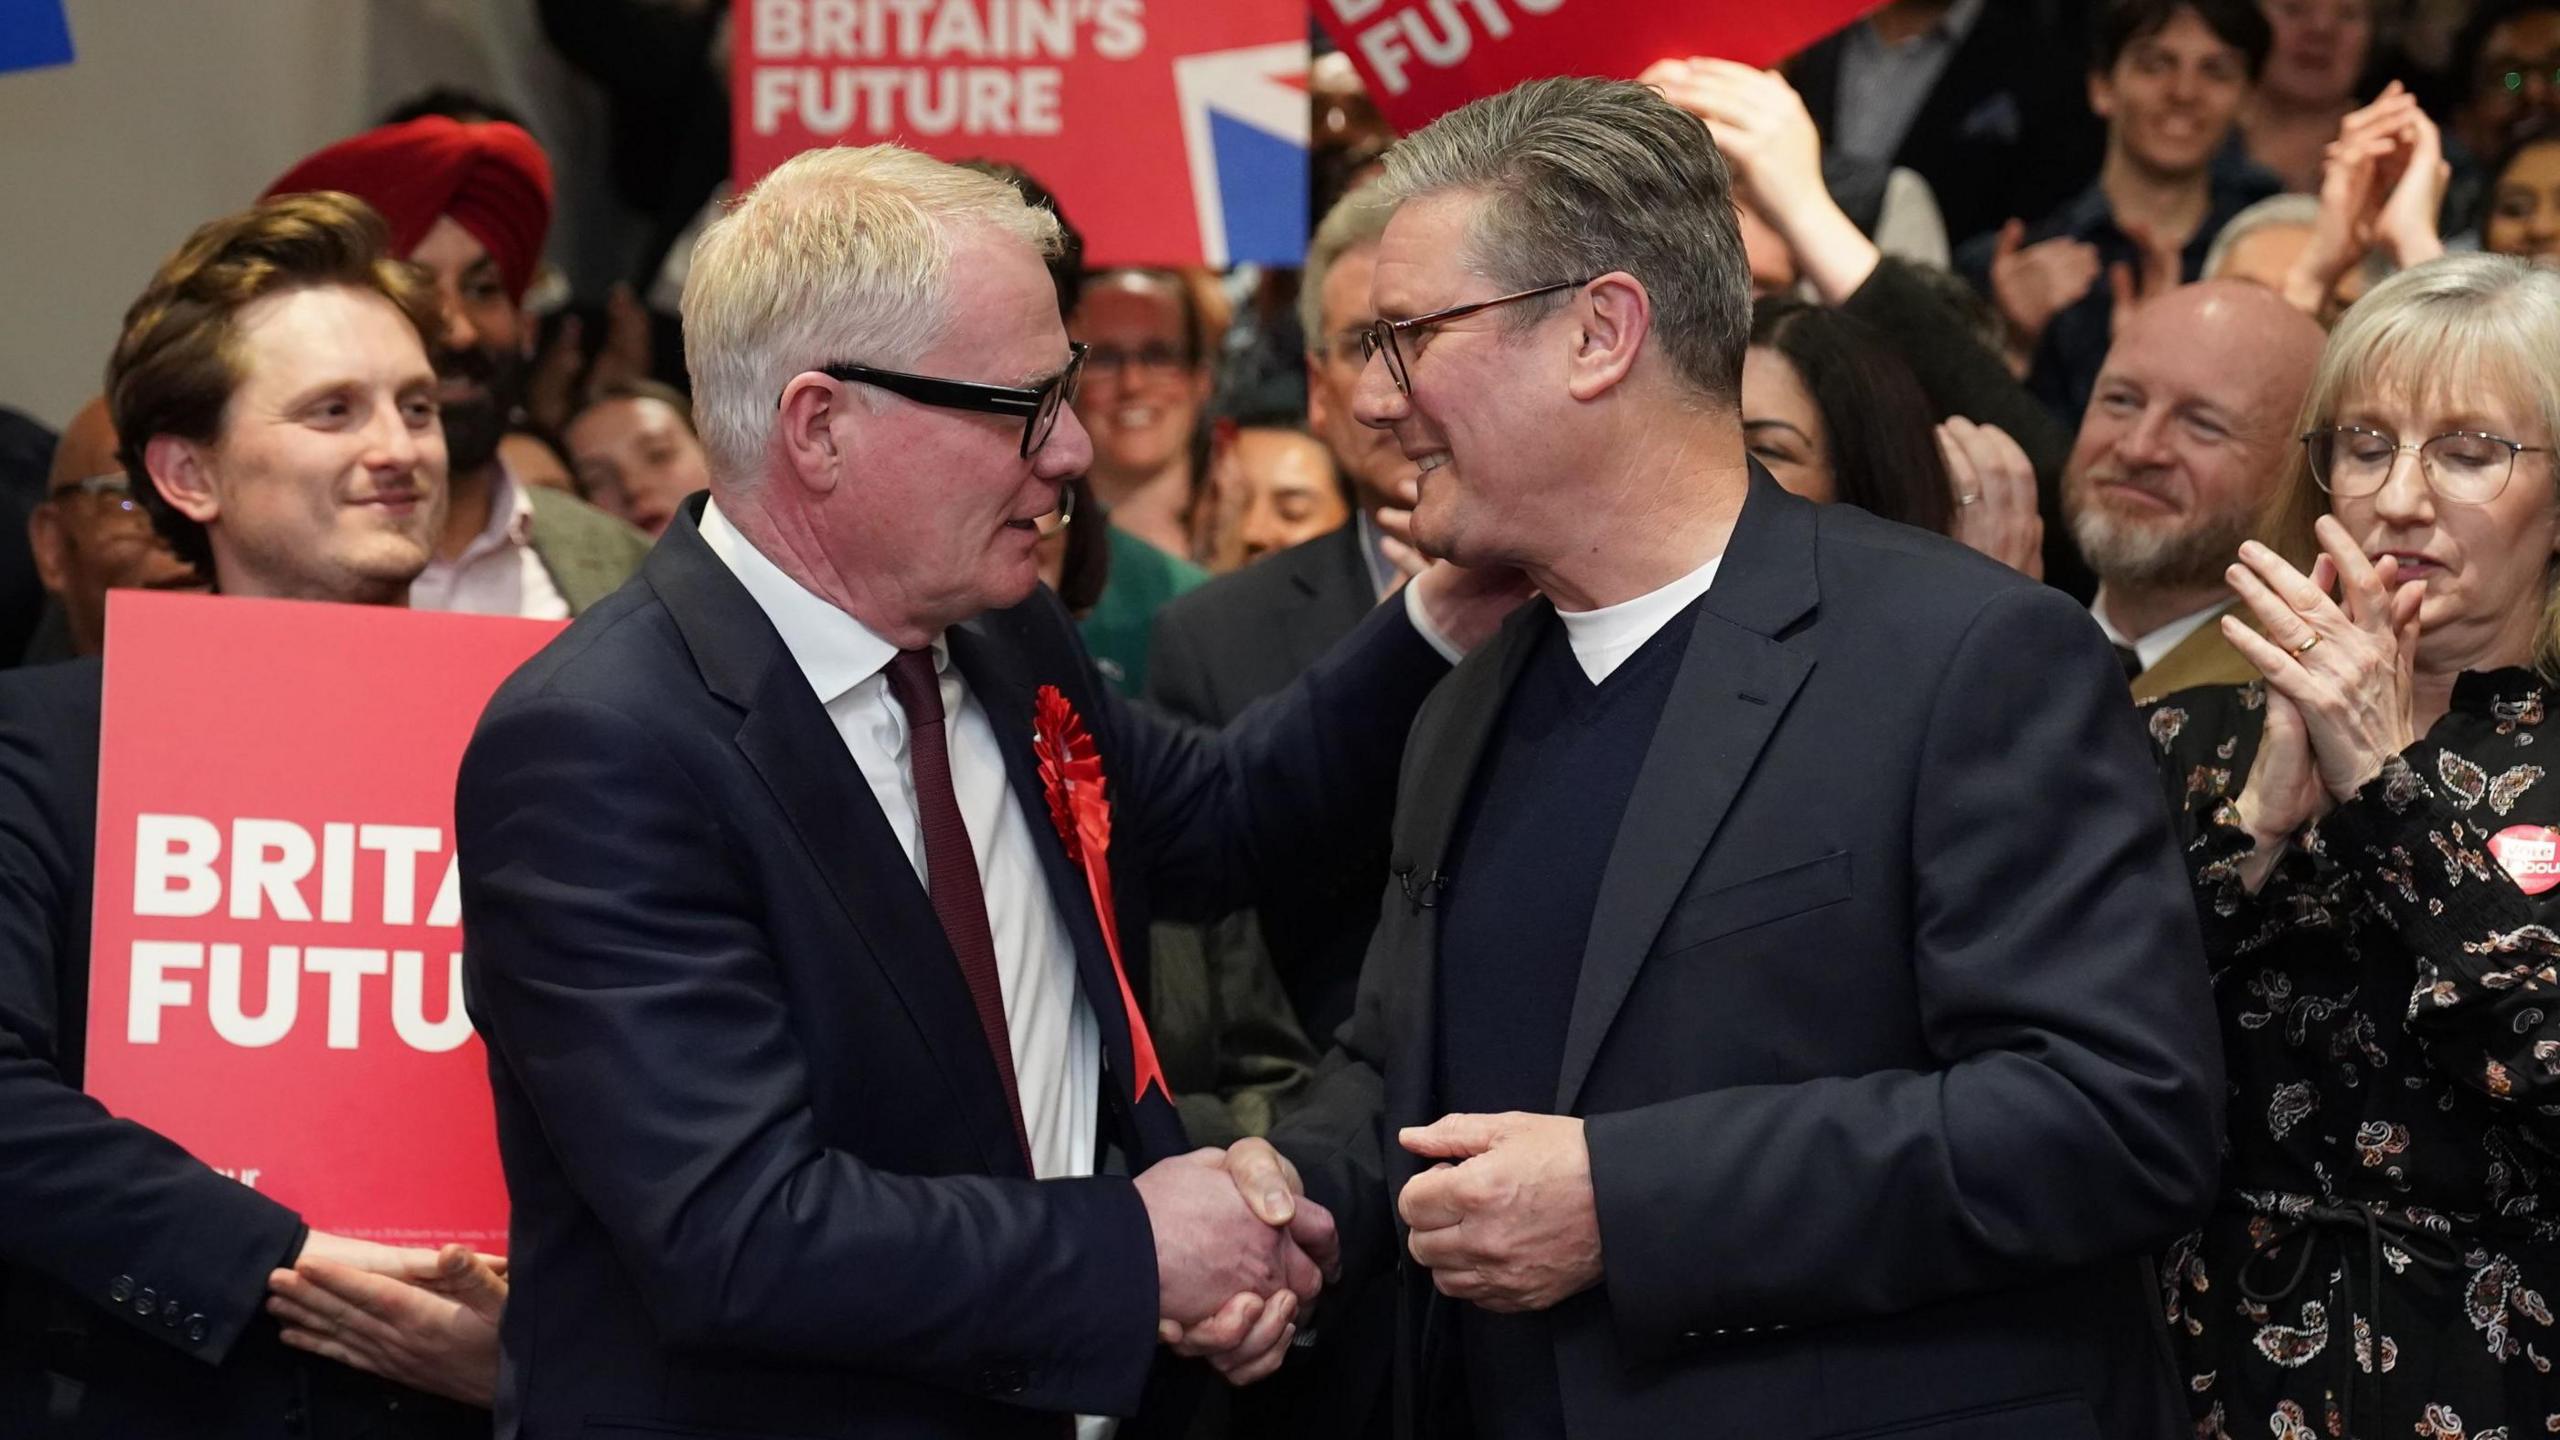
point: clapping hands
(2339, 701)
(427, 1319)
(2381, 183)
(1240, 1255)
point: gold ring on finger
(2305, 647)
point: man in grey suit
(1787, 1015)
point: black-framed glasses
(2467, 467)
(1380, 337)
(1037, 405)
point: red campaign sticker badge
(2531, 854)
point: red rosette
(1071, 777)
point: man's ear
(1319, 410)
(183, 474)
(1611, 319)
(805, 428)
(2102, 95)
(50, 539)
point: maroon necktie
(951, 865)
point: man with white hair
(797, 915)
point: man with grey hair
(2179, 456)
(798, 876)
(1737, 1054)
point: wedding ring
(2305, 647)
(1968, 499)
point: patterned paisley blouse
(2389, 1227)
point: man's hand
(1468, 605)
(1212, 1245)
(1270, 1185)
(2162, 262)
(2030, 284)
(397, 1261)
(1511, 1225)
(428, 1321)
(1271, 1266)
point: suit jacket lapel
(1736, 679)
(2204, 657)
(786, 737)
(991, 654)
(1004, 687)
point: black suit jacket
(763, 1175)
(1892, 1030)
(2006, 131)
(1227, 644)
(1248, 634)
(131, 1276)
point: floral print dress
(2379, 1261)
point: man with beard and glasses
(2176, 464)
(471, 203)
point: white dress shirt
(1604, 638)
(2160, 642)
(497, 573)
(1057, 1047)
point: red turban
(491, 178)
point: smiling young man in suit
(271, 409)
(1788, 1016)
(823, 1104)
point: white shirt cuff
(1421, 619)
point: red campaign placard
(1424, 58)
(275, 981)
(1173, 132)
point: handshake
(1240, 1253)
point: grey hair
(1580, 177)
(840, 254)
(2302, 210)
(1355, 222)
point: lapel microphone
(1421, 893)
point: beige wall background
(175, 111)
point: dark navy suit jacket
(1891, 1032)
(763, 1175)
